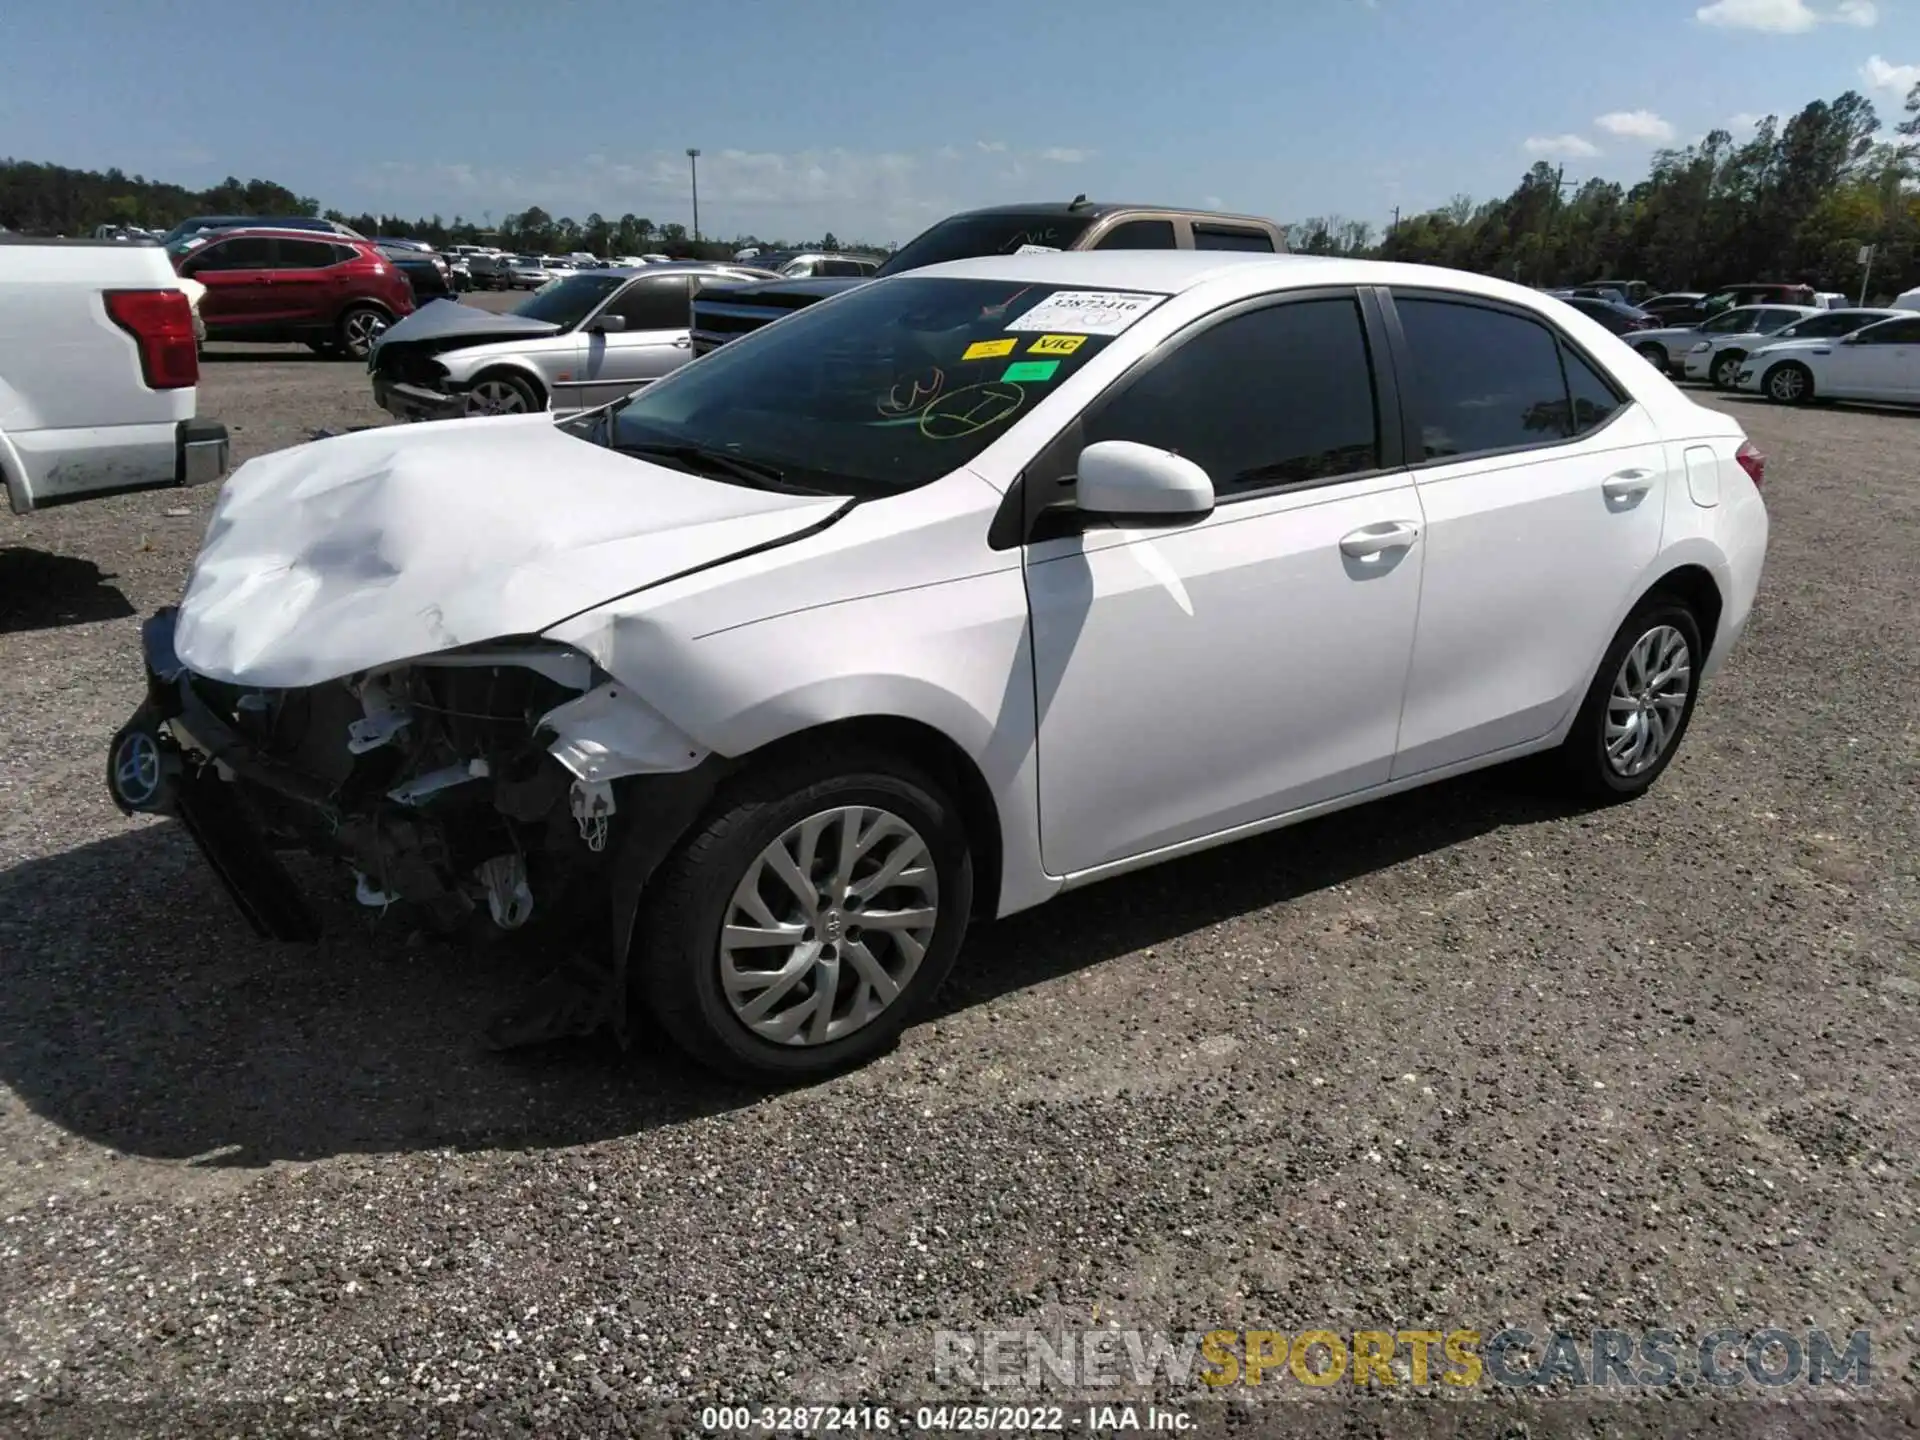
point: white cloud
(1212, 202)
(1065, 154)
(1636, 125)
(992, 147)
(1786, 17)
(1566, 147)
(1895, 80)
(1745, 120)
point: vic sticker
(1087, 312)
(1056, 345)
(989, 349)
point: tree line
(1796, 200)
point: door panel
(1192, 680)
(657, 340)
(1530, 561)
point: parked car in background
(798, 661)
(334, 293)
(1676, 307)
(1879, 362)
(587, 339)
(1722, 358)
(1079, 224)
(1716, 357)
(99, 374)
(206, 224)
(1907, 300)
(1766, 292)
(1630, 292)
(1831, 300)
(826, 263)
(1667, 349)
(525, 272)
(428, 273)
(1615, 316)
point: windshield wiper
(724, 462)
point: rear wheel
(1726, 369)
(359, 327)
(1638, 706)
(1789, 384)
(1654, 355)
(499, 392)
(808, 919)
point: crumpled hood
(378, 546)
(444, 319)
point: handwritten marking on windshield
(921, 391)
(970, 409)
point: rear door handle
(1372, 540)
(1627, 485)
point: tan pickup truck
(722, 313)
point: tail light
(161, 323)
(1752, 461)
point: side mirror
(1123, 477)
(608, 324)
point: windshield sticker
(1030, 370)
(1038, 250)
(1087, 312)
(989, 349)
(1056, 344)
(917, 393)
(970, 409)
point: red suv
(334, 292)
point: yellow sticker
(989, 349)
(1056, 344)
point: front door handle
(685, 342)
(1627, 485)
(1373, 540)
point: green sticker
(1031, 370)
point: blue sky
(873, 119)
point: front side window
(567, 302)
(1733, 322)
(654, 304)
(248, 252)
(1139, 235)
(880, 391)
(1483, 379)
(1278, 396)
(1823, 326)
(1891, 332)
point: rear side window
(1277, 396)
(662, 304)
(1483, 379)
(1593, 397)
(1231, 237)
(1139, 235)
(251, 252)
(1892, 332)
(304, 254)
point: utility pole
(1866, 259)
(693, 160)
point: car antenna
(1077, 201)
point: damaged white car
(961, 589)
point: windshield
(567, 302)
(996, 233)
(878, 392)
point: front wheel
(1638, 706)
(1726, 371)
(501, 393)
(359, 327)
(1655, 355)
(1790, 384)
(808, 919)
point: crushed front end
(512, 786)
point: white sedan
(963, 589)
(1880, 362)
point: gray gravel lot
(1462, 1058)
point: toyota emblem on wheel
(136, 769)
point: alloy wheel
(361, 329)
(828, 926)
(1649, 697)
(1726, 372)
(1787, 384)
(498, 397)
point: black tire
(1725, 373)
(352, 339)
(676, 949)
(1582, 759)
(1784, 377)
(1654, 355)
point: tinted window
(566, 302)
(307, 254)
(1272, 397)
(987, 232)
(1771, 320)
(1139, 235)
(660, 304)
(1483, 379)
(1231, 237)
(841, 267)
(245, 253)
(1594, 399)
(1892, 332)
(1815, 327)
(1734, 322)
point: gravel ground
(1460, 1059)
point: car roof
(1169, 272)
(291, 232)
(670, 267)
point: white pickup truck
(99, 374)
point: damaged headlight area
(481, 785)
